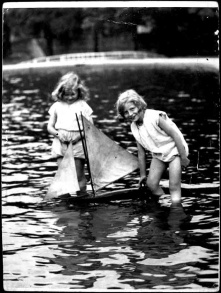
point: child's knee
(152, 185)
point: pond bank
(174, 62)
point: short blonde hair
(129, 96)
(67, 84)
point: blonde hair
(67, 84)
(126, 97)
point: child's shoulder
(153, 112)
(56, 105)
(81, 101)
(153, 116)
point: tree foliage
(171, 31)
(176, 31)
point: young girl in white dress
(157, 133)
(70, 95)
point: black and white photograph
(110, 146)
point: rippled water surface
(122, 245)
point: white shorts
(59, 148)
(169, 157)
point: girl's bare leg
(157, 168)
(79, 163)
(175, 179)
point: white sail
(108, 161)
(65, 180)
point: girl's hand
(185, 162)
(142, 181)
(61, 137)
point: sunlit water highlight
(121, 245)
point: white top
(66, 114)
(153, 138)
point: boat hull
(134, 193)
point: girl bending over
(155, 132)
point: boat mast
(83, 139)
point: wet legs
(175, 179)
(157, 168)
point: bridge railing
(91, 55)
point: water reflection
(136, 243)
(121, 245)
(92, 245)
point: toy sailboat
(106, 160)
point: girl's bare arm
(51, 125)
(142, 163)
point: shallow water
(122, 245)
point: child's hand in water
(142, 182)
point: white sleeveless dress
(66, 123)
(154, 139)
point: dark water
(122, 245)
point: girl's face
(132, 113)
(71, 98)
